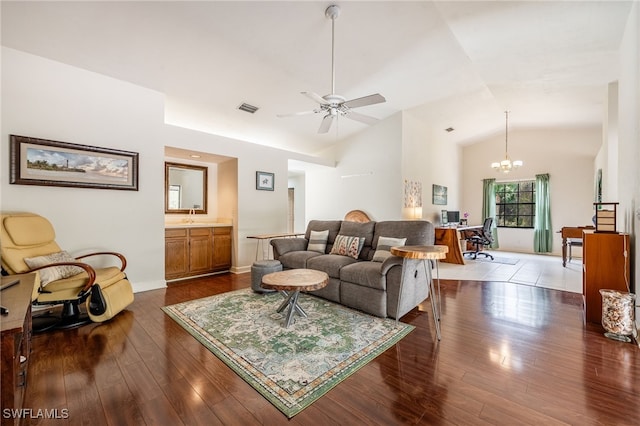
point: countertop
(196, 225)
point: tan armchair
(28, 245)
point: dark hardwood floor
(510, 354)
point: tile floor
(530, 269)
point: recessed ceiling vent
(248, 108)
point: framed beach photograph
(51, 163)
(264, 181)
(439, 196)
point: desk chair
(482, 237)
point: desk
(422, 254)
(568, 232)
(16, 341)
(266, 237)
(450, 237)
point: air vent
(248, 108)
(449, 129)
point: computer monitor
(453, 216)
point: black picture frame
(46, 162)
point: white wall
(566, 154)
(629, 140)
(367, 176)
(298, 183)
(49, 100)
(430, 157)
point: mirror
(185, 188)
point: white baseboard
(240, 269)
(139, 287)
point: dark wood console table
(569, 232)
(16, 341)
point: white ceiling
(450, 63)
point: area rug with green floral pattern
(291, 367)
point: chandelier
(506, 165)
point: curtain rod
(515, 180)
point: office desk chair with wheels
(482, 237)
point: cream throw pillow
(383, 249)
(54, 273)
(318, 241)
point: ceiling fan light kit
(333, 105)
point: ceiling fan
(333, 105)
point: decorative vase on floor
(617, 314)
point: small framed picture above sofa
(439, 196)
(264, 181)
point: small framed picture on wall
(264, 181)
(439, 195)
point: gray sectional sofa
(368, 280)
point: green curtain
(489, 207)
(542, 234)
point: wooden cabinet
(200, 250)
(16, 342)
(176, 252)
(605, 265)
(197, 251)
(222, 248)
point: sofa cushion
(365, 230)
(365, 299)
(347, 246)
(297, 259)
(318, 241)
(330, 263)
(383, 248)
(330, 292)
(333, 226)
(417, 232)
(366, 274)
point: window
(175, 194)
(515, 204)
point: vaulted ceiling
(450, 63)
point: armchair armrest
(285, 245)
(123, 260)
(87, 268)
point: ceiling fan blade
(319, 99)
(326, 123)
(366, 119)
(364, 101)
(293, 114)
